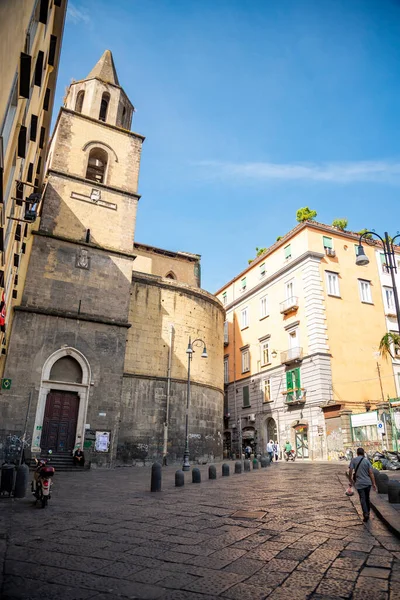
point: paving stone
(336, 587)
(333, 573)
(210, 585)
(245, 566)
(301, 579)
(16, 587)
(379, 561)
(282, 565)
(348, 563)
(375, 572)
(267, 578)
(293, 554)
(368, 583)
(178, 580)
(244, 591)
(283, 593)
(179, 595)
(148, 575)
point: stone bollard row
(394, 492)
(256, 464)
(238, 467)
(225, 470)
(264, 462)
(246, 466)
(382, 482)
(156, 477)
(212, 472)
(179, 478)
(196, 475)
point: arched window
(97, 164)
(105, 99)
(79, 101)
(66, 369)
(170, 275)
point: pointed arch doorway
(63, 402)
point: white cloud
(347, 172)
(76, 15)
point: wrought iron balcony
(289, 305)
(292, 355)
(296, 396)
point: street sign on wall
(6, 384)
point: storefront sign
(368, 418)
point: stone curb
(386, 513)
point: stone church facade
(99, 341)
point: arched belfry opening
(170, 275)
(97, 164)
(105, 101)
(79, 101)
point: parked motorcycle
(42, 482)
(291, 455)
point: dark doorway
(60, 420)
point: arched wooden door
(60, 421)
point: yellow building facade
(302, 333)
(30, 42)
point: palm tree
(388, 343)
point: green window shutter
(288, 252)
(297, 383)
(383, 259)
(356, 249)
(327, 242)
(289, 380)
(246, 396)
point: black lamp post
(189, 352)
(388, 249)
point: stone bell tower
(69, 335)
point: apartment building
(303, 326)
(30, 42)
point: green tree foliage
(305, 214)
(259, 251)
(388, 344)
(362, 231)
(278, 239)
(340, 224)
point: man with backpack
(362, 477)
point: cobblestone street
(104, 536)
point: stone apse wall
(156, 304)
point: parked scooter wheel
(44, 501)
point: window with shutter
(52, 50)
(328, 242)
(43, 12)
(16, 260)
(42, 136)
(22, 142)
(18, 232)
(39, 69)
(29, 175)
(33, 129)
(288, 251)
(297, 382)
(246, 396)
(25, 62)
(289, 386)
(46, 100)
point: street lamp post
(388, 249)
(189, 352)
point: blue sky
(251, 109)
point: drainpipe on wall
(165, 446)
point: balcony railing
(296, 396)
(291, 355)
(289, 305)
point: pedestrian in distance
(270, 450)
(362, 477)
(276, 450)
(288, 448)
(79, 457)
(248, 450)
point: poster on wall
(102, 443)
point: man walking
(362, 478)
(270, 450)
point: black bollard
(238, 467)
(179, 478)
(382, 482)
(255, 463)
(225, 470)
(394, 492)
(264, 462)
(196, 475)
(212, 472)
(246, 465)
(21, 481)
(156, 477)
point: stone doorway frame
(46, 385)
